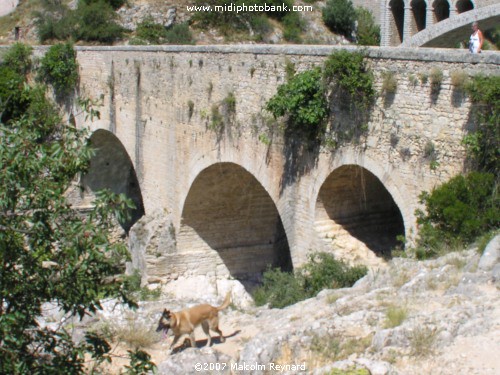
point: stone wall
(238, 197)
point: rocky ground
(438, 316)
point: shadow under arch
(111, 168)
(353, 200)
(229, 212)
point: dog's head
(164, 323)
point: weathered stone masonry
(224, 202)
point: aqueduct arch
(111, 168)
(354, 208)
(230, 216)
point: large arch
(464, 6)
(354, 206)
(441, 10)
(419, 11)
(396, 21)
(231, 218)
(111, 168)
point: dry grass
(136, 334)
(422, 341)
(395, 316)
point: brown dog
(184, 322)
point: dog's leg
(176, 338)
(206, 329)
(214, 325)
(192, 339)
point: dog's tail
(226, 302)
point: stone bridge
(221, 194)
(431, 23)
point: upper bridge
(222, 193)
(433, 23)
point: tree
(48, 251)
(340, 17)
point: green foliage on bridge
(49, 253)
(312, 99)
(483, 142)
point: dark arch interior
(229, 211)
(355, 200)
(111, 168)
(398, 14)
(464, 6)
(441, 10)
(419, 9)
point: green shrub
(179, 34)
(459, 79)
(150, 31)
(279, 289)
(349, 75)
(293, 27)
(368, 32)
(96, 22)
(303, 100)
(18, 58)
(483, 142)
(59, 68)
(459, 210)
(322, 271)
(340, 17)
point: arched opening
(111, 168)
(354, 210)
(419, 10)
(441, 10)
(464, 6)
(231, 224)
(396, 23)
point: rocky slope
(438, 316)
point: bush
(293, 27)
(18, 58)
(323, 271)
(279, 289)
(389, 82)
(150, 31)
(368, 32)
(96, 22)
(59, 68)
(115, 4)
(303, 100)
(349, 75)
(340, 17)
(459, 210)
(179, 34)
(483, 143)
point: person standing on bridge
(476, 39)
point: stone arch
(396, 21)
(111, 168)
(464, 5)
(353, 208)
(441, 10)
(232, 224)
(419, 12)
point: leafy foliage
(459, 210)
(340, 17)
(302, 99)
(48, 251)
(368, 32)
(483, 143)
(59, 68)
(91, 21)
(323, 271)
